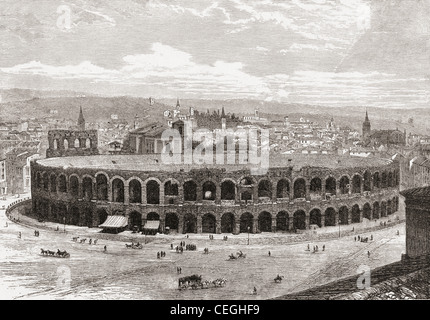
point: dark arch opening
(135, 191)
(87, 188)
(246, 221)
(376, 180)
(343, 215)
(344, 185)
(135, 221)
(209, 190)
(171, 188)
(152, 192)
(265, 222)
(383, 209)
(376, 211)
(384, 181)
(62, 184)
(227, 222)
(330, 186)
(102, 187)
(355, 214)
(389, 208)
(299, 220)
(118, 190)
(367, 211)
(53, 183)
(299, 188)
(282, 221)
(367, 181)
(45, 182)
(356, 184)
(315, 217)
(208, 223)
(74, 186)
(315, 187)
(228, 190)
(190, 191)
(265, 189)
(330, 217)
(172, 221)
(190, 223)
(283, 189)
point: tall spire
(177, 103)
(81, 120)
(367, 116)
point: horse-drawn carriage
(195, 282)
(238, 255)
(134, 245)
(58, 254)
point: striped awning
(152, 224)
(114, 222)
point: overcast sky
(289, 51)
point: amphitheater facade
(297, 192)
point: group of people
(36, 233)
(315, 248)
(225, 238)
(211, 237)
(206, 250)
(191, 247)
(358, 238)
(179, 249)
(161, 254)
(178, 270)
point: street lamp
(64, 222)
(248, 234)
(339, 226)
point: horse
(43, 251)
(75, 239)
(51, 253)
(278, 278)
(128, 245)
(240, 254)
(95, 241)
(232, 257)
(83, 240)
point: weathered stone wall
(63, 143)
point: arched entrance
(102, 187)
(152, 192)
(190, 191)
(315, 217)
(367, 181)
(246, 222)
(315, 188)
(299, 188)
(87, 188)
(355, 214)
(118, 190)
(383, 209)
(356, 184)
(228, 190)
(172, 221)
(299, 220)
(190, 223)
(135, 191)
(343, 215)
(376, 211)
(367, 211)
(330, 217)
(330, 186)
(389, 208)
(344, 185)
(208, 223)
(102, 216)
(227, 223)
(265, 222)
(265, 189)
(283, 189)
(376, 180)
(282, 221)
(135, 221)
(209, 190)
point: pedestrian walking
(171, 246)
(355, 238)
(158, 255)
(309, 247)
(371, 237)
(269, 254)
(323, 247)
(19, 235)
(368, 254)
(104, 249)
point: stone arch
(299, 188)
(117, 190)
(152, 192)
(283, 189)
(227, 222)
(208, 223)
(376, 180)
(246, 222)
(315, 187)
(356, 184)
(367, 211)
(315, 217)
(389, 207)
(355, 214)
(102, 187)
(383, 209)
(171, 187)
(209, 190)
(343, 215)
(299, 220)
(330, 185)
(384, 180)
(190, 223)
(87, 188)
(376, 210)
(265, 188)
(53, 182)
(135, 191)
(330, 217)
(228, 190)
(265, 222)
(367, 179)
(282, 221)
(74, 185)
(101, 215)
(135, 220)
(344, 185)
(190, 191)
(172, 221)
(246, 181)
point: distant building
(366, 130)
(256, 119)
(18, 170)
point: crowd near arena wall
(216, 200)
